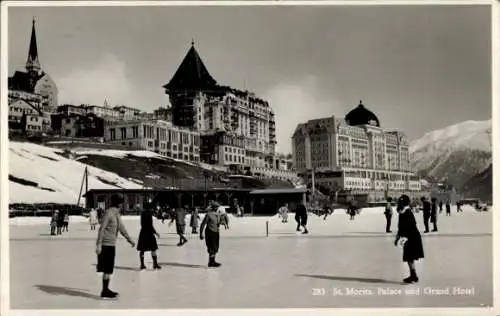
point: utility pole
(313, 182)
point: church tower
(32, 64)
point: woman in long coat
(147, 240)
(412, 241)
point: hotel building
(236, 127)
(159, 136)
(354, 154)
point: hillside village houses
(32, 95)
(206, 122)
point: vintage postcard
(235, 156)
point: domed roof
(361, 116)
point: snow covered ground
(58, 178)
(144, 154)
(279, 271)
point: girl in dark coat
(412, 241)
(147, 240)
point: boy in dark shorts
(211, 221)
(112, 224)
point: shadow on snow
(61, 290)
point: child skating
(209, 230)
(147, 240)
(179, 217)
(193, 222)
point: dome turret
(361, 116)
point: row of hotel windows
(234, 150)
(238, 159)
(149, 133)
(16, 109)
(362, 184)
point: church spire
(32, 64)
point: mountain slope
(458, 152)
(480, 186)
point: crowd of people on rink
(59, 222)
(111, 224)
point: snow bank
(61, 177)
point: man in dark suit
(426, 207)
(301, 217)
(388, 215)
(434, 214)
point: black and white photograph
(248, 156)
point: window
(112, 134)
(135, 132)
(123, 132)
(150, 144)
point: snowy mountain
(458, 152)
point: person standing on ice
(60, 222)
(351, 210)
(224, 218)
(210, 229)
(283, 212)
(147, 240)
(426, 207)
(66, 222)
(410, 236)
(440, 206)
(179, 217)
(434, 214)
(301, 217)
(53, 223)
(112, 224)
(388, 215)
(193, 221)
(93, 219)
(448, 208)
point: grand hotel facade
(355, 154)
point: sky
(419, 68)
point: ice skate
(108, 294)
(156, 267)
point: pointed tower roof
(32, 64)
(191, 74)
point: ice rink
(341, 263)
